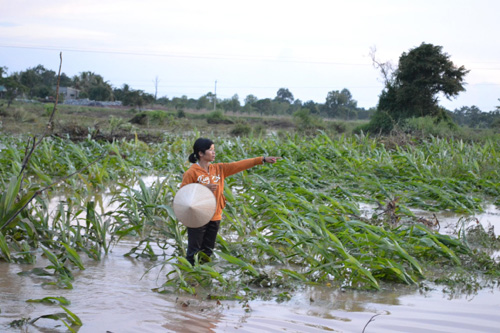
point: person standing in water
(202, 171)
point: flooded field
(296, 252)
(115, 295)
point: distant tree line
(473, 117)
(338, 104)
(40, 83)
(410, 91)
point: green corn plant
(96, 231)
(61, 272)
(4, 248)
(51, 300)
(68, 318)
(244, 266)
(187, 276)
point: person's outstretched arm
(235, 167)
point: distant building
(3, 91)
(69, 93)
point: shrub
(181, 114)
(426, 126)
(339, 127)
(115, 123)
(158, 117)
(305, 121)
(48, 109)
(259, 129)
(241, 130)
(217, 117)
(380, 123)
(23, 116)
(140, 119)
(496, 124)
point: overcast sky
(252, 47)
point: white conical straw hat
(194, 205)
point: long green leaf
(73, 256)
(51, 300)
(4, 247)
(73, 317)
(238, 262)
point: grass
(79, 122)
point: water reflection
(450, 222)
(114, 295)
(191, 320)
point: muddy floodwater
(114, 295)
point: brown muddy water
(114, 295)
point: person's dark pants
(202, 239)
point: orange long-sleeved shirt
(215, 175)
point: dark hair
(200, 144)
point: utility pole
(156, 86)
(215, 94)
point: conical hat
(194, 205)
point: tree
(132, 97)
(263, 106)
(422, 74)
(312, 107)
(164, 100)
(231, 104)
(386, 68)
(235, 103)
(39, 81)
(250, 99)
(100, 92)
(180, 102)
(284, 95)
(339, 104)
(12, 86)
(249, 104)
(65, 81)
(156, 81)
(93, 86)
(473, 117)
(204, 102)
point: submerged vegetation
(70, 197)
(298, 221)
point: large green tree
(231, 104)
(39, 81)
(93, 86)
(130, 97)
(423, 74)
(263, 106)
(339, 104)
(12, 86)
(284, 95)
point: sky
(254, 47)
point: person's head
(200, 148)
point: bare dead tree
(50, 126)
(30, 148)
(386, 68)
